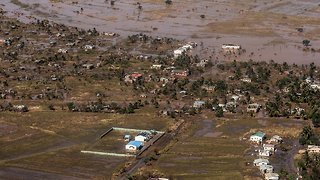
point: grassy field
(51, 141)
(223, 155)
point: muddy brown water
(182, 20)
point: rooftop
(260, 134)
(135, 143)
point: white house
(230, 47)
(178, 52)
(134, 146)
(254, 107)
(271, 176)
(258, 137)
(275, 139)
(260, 162)
(264, 153)
(127, 137)
(268, 147)
(313, 149)
(223, 106)
(156, 66)
(266, 168)
(198, 104)
(246, 79)
(89, 47)
(143, 137)
(64, 51)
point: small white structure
(179, 52)
(268, 147)
(275, 139)
(127, 137)
(264, 153)
(134, 146)
(266, 169)
(198, 104)
(235, 98)
(271, 176)
(254, 107)
(64, 51)
(88, 47)
(156, 66)
(257, 137)
(230, 47)
(313, 149)
(223, 106)
(143, 137)
(208, 88)
(246, 79)
(260, 162)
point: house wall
(131, 147)
(140, 138)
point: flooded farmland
(266, 29)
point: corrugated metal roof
(135, 143)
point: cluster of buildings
(266, 150)
(181, 50)
(138, 141)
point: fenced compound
(145, 147)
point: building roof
(199, 102)
(127, 136)
(264, 167)
(260, 134)
(268, 145)
(269, 175)
(135, 143)
(276, 137)
(256, 161)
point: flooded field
(266, 29)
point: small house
(264, 153)
(88, 66)
(235, 98)
(143, 137)
(134, 146)
(198, 104)
(257, 137)
(127, 137)
(266, 169)
(64, 51)
(20, 108)
(178, 52)
(230, 47)
(248, 80)
(268, 147)
(255, 107)
(271, 176)
(260, 162)
(275, 139)
(223, 106)
(89, 47)
(208, 88)
(180, 73)
(156, 66)
(313, 149)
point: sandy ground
(266, 28)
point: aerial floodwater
(267, 30)
(159, 89)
